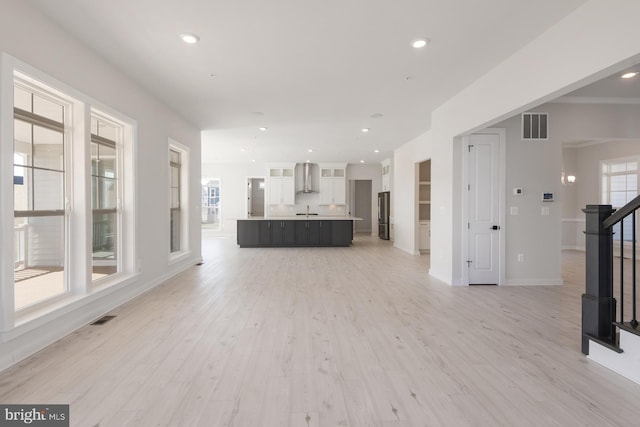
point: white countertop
(304, 218)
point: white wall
(536, 168)
(404, 197)
(233, 188)
(31, 38)
(553, 64)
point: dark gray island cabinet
(261, 233)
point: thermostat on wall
(517, 191)
(547, 197)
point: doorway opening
(210, 218)
(255, 197)
(424, 206)
(362, 205)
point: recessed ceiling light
(365, 130)
(189, 38)
(361, 161)
(253, 160)
(419, 43)
(629, 75)
(309, 150)
(376, 151)
(308, 161)
(243, 149)
(262, 128)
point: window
(175, 172)
(211, 204)
(105, 195)
(40, 142)
(619, 181)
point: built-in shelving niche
(424, 191)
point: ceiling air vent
(535, 126)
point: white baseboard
(441, 277)
(532, 282)
(573, 248)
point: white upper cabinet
(281, 188)
(333, 184)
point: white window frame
(68, 103)
(120, 249)
(78, 203)
(184, 200)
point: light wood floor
(356, 336)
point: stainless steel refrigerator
(384, 204)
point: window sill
(33, 317)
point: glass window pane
(617, 167)
(22, 140)
(48, 188)
(107, 164)
(618, 198)
(47, 108)
(104, 254)
(95, 193)
(632, 182)
(22, 189)
(108, 193)
(104, 193)
(618, 183)
(21, 98)
(48, 148)
(94, 158)
(174, 156)
(175, 198)
(107, 130)
(632, 166)
(175, 177)
(175, 230)
(38, 259)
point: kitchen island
(295, 231)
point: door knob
(495, 227)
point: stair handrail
(622, 213)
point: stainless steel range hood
(306, 178)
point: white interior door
(483, 168)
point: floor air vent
(535, 126)
(103, 320)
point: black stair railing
(599, 317)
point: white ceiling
(316, 70)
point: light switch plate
(545, 211)
(514, 210)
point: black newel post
(598, 304)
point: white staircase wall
(626, 363)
